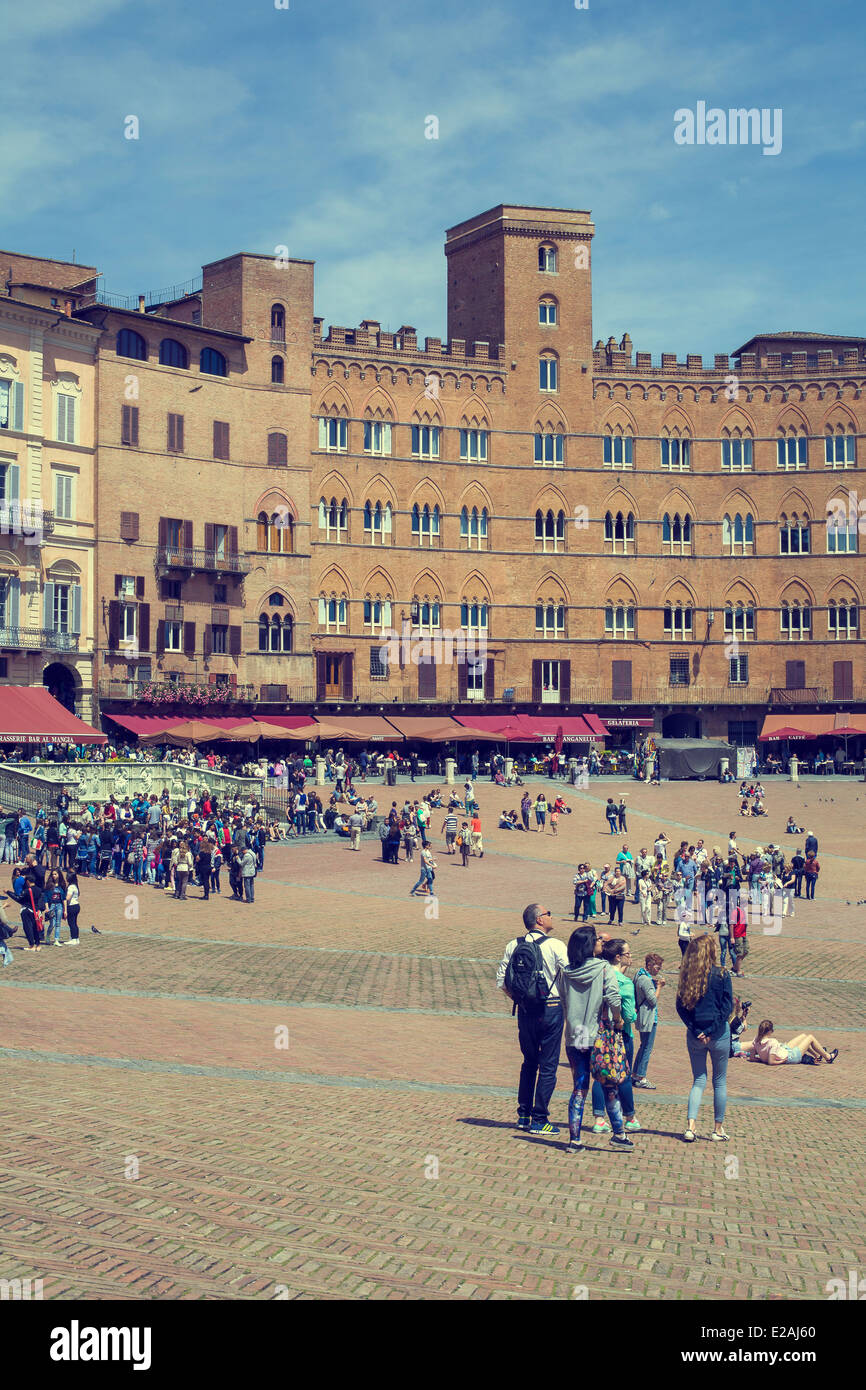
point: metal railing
(197, 558)
(25, 791)
(38, 639)
(25, 518)
(196, 694)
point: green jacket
(627, 1003)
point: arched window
(547, 312)
(276, 533)
(426, 613)
(172, 353)
(473, 528)
(212, 362)
(278, 449)
(278, 371)
(264, 632)
(843, 521)
(547, 259)
(619, 533)
(473, 615)
(334, 519)
(377, 523)
(738, 534)
(675, 452)
(377, 437)
(618, 449)
(549, 448)
(333, 434)
(275, 632)
(278, 323)
(131, 344)
(677, 534)
(425, 524)
(333, 609)
(840, 447)
(550, 617)
(792, 449)
(678, 621)
(547, 372)
(737, 452)
(843, 620)
(619, 620)
(794, 538)
(740, 621)
(550, 530)
(377, 613)
(795, 621)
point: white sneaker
(70, 943)
(58, 943)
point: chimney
(141, 303)
(67, 308)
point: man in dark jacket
(811, 842)
(798, 864)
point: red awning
(369, 728)
(28, 714)
(288, 721)
(575, 728)
(141, 724)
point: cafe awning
(778, 727)
(430, 730)
(28, 714)
(370, 728)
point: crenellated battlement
(820, 361)
(369, 337)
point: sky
(305, 127)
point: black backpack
(524, 975)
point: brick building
(646, 539)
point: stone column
(450, 769)
(320, 772)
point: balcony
(37, 639)
(778, 697)
(197, 694)
(194, 559)
(27, 519)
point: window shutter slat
(234, 640)
(18, 406)
(113, 625)
(139, 586)
(144, 627)
(189, 639)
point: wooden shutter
(320, 675)
(48, 607)
(461, 681)
(843, 680)
(208, 537)
(235, 640)
(163, 532)
(489, 671)
(113, 625)
(75, 610)
(427, 680)
(565, 682)
(207, 640)
(189, 639)
(13, 600)
(233, 540)
(220, 439)
(129, 526)
(347, 670)
(277, 449)
(160, 637)
(18, 406)
(187, 536)
(219, 617)
(118, 583)
(129, 424)
(175, 433)
(144, 627)
(536, 682)
(13, 478)
(620, 679)
(139, 586)
(795, 675)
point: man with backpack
(527, 973)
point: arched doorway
(681, 726)
(60, 681)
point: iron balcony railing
(195, 694)
(197, 558)
(25, 519)
(38, 639)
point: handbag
(608, 1061)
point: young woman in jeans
(586, 987)
(618, 955)
(705, 1001)
(73, 907)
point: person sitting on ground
(745, 806)
(765, 1048)
(505, 821)
(792, 828)
(737, 1023)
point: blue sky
(305, 127)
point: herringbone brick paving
(307, 1170)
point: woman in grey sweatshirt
(585, 986)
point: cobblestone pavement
(314, 1096)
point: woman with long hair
(766, 1048)
(705, 1001)
(587, 986)
(183, 865)
(73, 907)
(53, 904)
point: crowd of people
(589, 992)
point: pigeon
(96, 931)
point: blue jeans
(719, 1049)
(8, 957)
(426, 877)
(55, 919)
(249, 890)
(724, 946)
(579, 1059)
(611, 820)
(641, 1061)
(539, 1032)
(626, 1094)
(301, 822)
